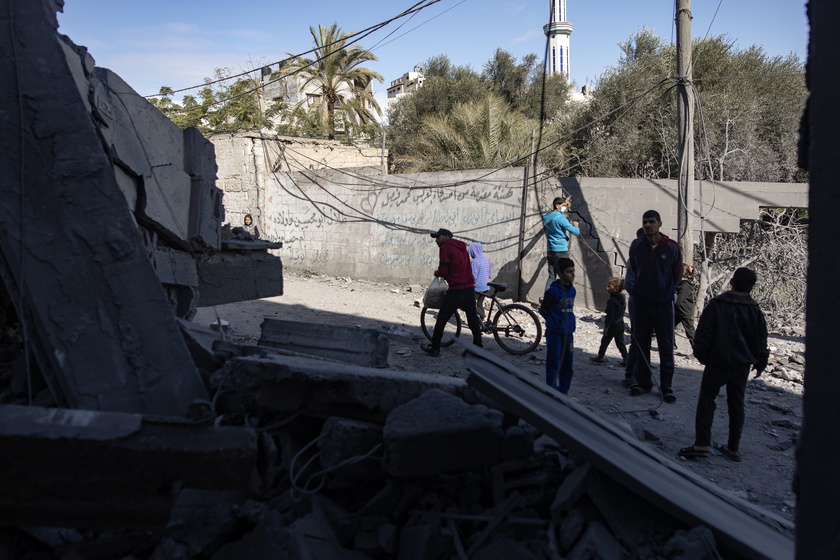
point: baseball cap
(442, 231)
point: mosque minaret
(558, 31)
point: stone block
(348, 447)
(241, 276)
(437, 433)
(365, 347)
(270, 383)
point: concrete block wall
(359, 223)
(247, 162)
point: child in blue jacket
(558, 310)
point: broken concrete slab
(245, 275)
(145, 142)
(271, 384)
(437, 433)
(98, 321)
(365, 347)
(71, 466)
(206, 209)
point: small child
(731, 337)
(558, 310)
(614, 322)
(686, 300)
(482, 271)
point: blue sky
(178, 43)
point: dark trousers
(735, 380)
(559, 360)
(633, 351)
(649, 316)
(688, 326)
(457, 299)
(615, 332)
(479, 302)
(551, 259)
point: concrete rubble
(128, 432)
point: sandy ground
(774, 400)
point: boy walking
(731, 336)
(558, 310)
(614, 322)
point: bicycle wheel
(517, 329)
(428, 318)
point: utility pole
(685, 132)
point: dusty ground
(765, 475)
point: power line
(353, 36)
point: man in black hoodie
(731, 336)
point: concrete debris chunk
(437, 433)
(365, 347)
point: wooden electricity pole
(685, 132)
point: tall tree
(338, 78)
(448, 88)
(478, 134)
(747, 117)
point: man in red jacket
(456, 269)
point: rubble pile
(417, 469)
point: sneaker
(668, 395)
(638, 390)
(628, 381)
(596, 360)
(427, 348)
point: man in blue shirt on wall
(557, 228)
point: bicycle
(516, 328)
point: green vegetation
(460, 119)
(746, 124)
(333, 91)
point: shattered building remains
(128, 431)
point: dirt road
(774, 414)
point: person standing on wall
(557, 230)
(654, 267)
(456, 269)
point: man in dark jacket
(731, 336)
(456, 269)
(654, 266)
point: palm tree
(475, 135)
(341, 84)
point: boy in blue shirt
(558, 310)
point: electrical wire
(353, 36)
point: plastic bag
(435, 293)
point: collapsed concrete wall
(356, 222)
(72, 257)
